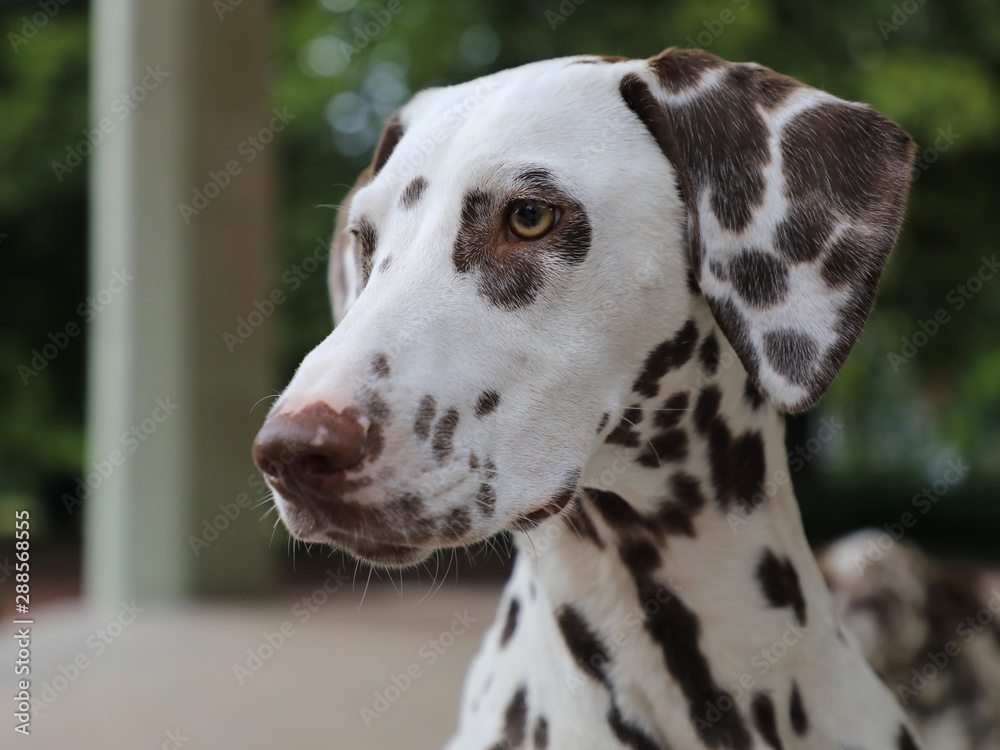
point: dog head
(521, 244)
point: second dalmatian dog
(574, 300)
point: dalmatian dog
(573, 301)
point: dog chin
(379, 554)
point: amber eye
(530, 219)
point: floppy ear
(794, 201)
(350, 265)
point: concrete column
(168, 403)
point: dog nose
(308, 451)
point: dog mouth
(393, 535)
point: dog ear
(794, 201)
(349, 268)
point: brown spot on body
(669, 355)
(486, 498)
(510, 624)
(515, 722)
(587, 648)
(780, 583)
(603, 423)
(686, 501)
(708, 354)
(665, 447)
(541, 735)
(765, 720)
(673, 410)
(676, 630)
(797, 711)
(413, 192)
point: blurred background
(168, 173)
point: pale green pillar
(157, 351)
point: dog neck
(679, 591)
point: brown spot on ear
(792, 353)
(724, 148)
(413, 192)
(737, 330)
(640, 100)
(844, 263)
(850, 156)
(677, 70)
(759, 278)
(391, 136)
(803, 232)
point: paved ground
(171, 672)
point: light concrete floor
(167, 679)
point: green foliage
(934, 70)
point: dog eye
(530, 219)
